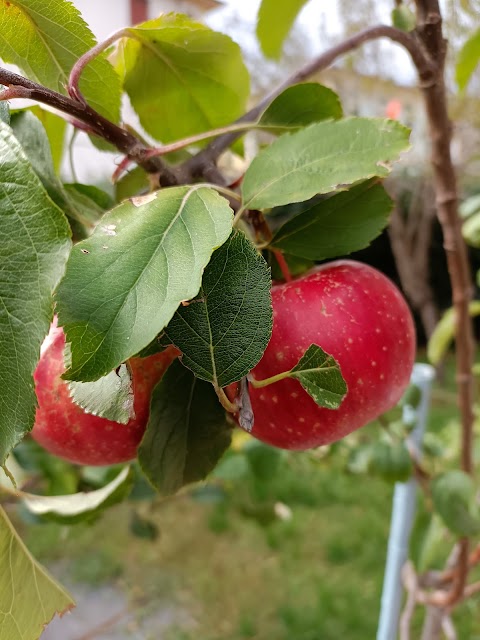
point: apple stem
(229, 406)
(282, 263)
(266, 381)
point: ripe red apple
(358, 316)
(65, 430)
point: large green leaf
(468, 59)
(182, 77)
(300, 105)
(29, 596)
(187, 431)
(125, 282)
(346, 222)
(34, 246)
(78, 507)
(224, 332)
(322, 158)
(31, 134)
(275, 19)
(45, 38)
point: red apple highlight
(65, 430)
(357, 315)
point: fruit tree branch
(89, 120)
(429, 33)
(196, 165)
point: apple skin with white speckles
(357, 315)
(65, 430)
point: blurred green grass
(315, 576)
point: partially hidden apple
(357, 315)
(67, 431)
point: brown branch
(429, 32)
(123, 140)
(196, 166)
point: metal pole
(403, 512)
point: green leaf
(182, 77)
(444, 332)
(469, 206)
(124, 283)
(275, 19)
(347, 221)
(78, 507)
(468, 59)
(264, 461)
(453, 496)
(4, 112)
(29, 597)
(301, 105)
(34, 246)
(319, 374)
(321, 158)
(403, 18)
(224, 332)
(140, 527)
(55, 128)
(45, 38)
(131, 184)
(471, 230)
(187, 431)
(110, 397)
(31, 134)
(391, 461)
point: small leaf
(4, 112)
(45, 39)
(469, 206)
(29, 597)
(182, 77)
(347, 221)
(133, 183)
(467, 61)
(187, 431)
(142, 528)
(55, 128)
(125, 282)
(453, 496)
(264, 461)
(301, 105)
(471, 230)
(275, 19)
(321, 158)
(110, 397)
(319, 374)
(225, 330)
(444, 332)
(34, 246)
(403, 18)
(82, 506)
(391, 461)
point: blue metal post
(403, 512)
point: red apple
(358, 316)
(65, 430)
